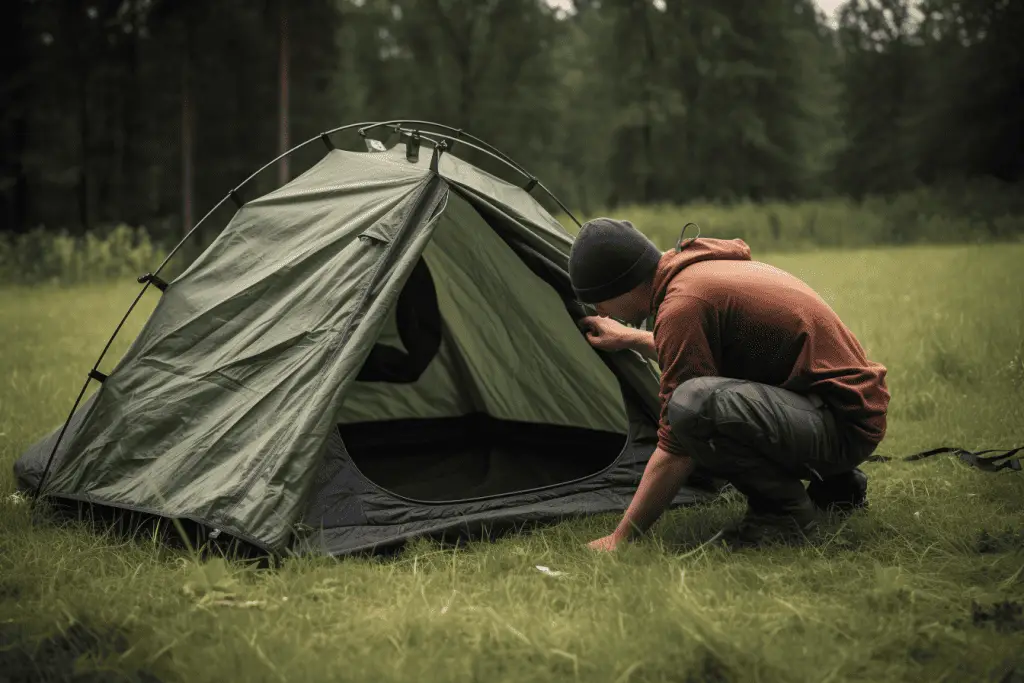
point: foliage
(977, 214)
(40, 256)
(149, 111)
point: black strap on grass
(1009, 459)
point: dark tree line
(148, 111)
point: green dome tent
(383, 348)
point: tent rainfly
(384, 348)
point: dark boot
(842, 493)
(778, 510)
(760, 527)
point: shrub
(924, 216)
(40, 256)
(970, 214)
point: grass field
(928, 585)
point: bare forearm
(642, 342)
(664, 475)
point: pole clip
(156, 281)
(412, 147)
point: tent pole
(150, 278)
(532, 180)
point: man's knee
(736, 419)
(691, 409)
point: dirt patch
(10, 591)
(1008, 672)
(1006, 540)
(1006, 616)
(922, 654)
(710, 670)
(24, 658)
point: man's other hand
(607, 334)
(607, 544)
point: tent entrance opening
(475, 455)
(479, 381)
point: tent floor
(474, 455)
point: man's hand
(607, 544)
(662, 479)
(607, 334)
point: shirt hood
(700, 249)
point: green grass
(924, 217)
(908, 591)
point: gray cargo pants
(762, 439)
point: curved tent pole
(442, 144)
(234, 193)
(459, 135)
(152, 278)
(488, 150)
(560, 204)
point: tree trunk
(647, 131)
(466, 95)
(83, 141)
(283, 144)
(187, 115)
(21, 189)
(15, 69)
(127, 171)
(462, 47)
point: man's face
(630, 308)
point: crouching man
(762, 384)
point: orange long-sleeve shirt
(719, 313)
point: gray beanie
(609, 258)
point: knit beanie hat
(609, 258)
